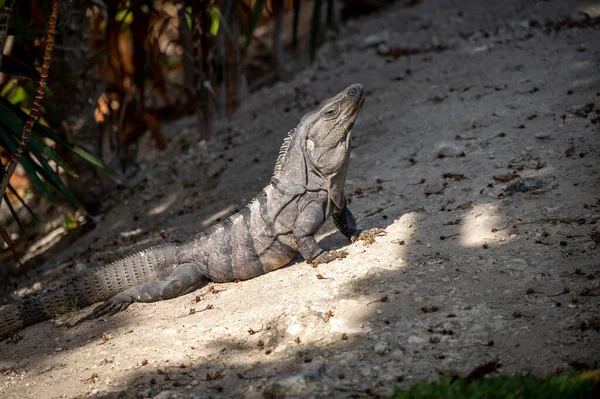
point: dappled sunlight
(45, 243)
(589, 81)
(399, 234)
(351, 324)
(164, 204)
(582, 65)
(477, 225)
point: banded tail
(99, 285)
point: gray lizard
(306, 187)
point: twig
(382, 299)
(35, 108)
(450, 236)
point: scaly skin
(306, 187)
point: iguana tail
(86, 290)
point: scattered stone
(383, 48)
(451, 150)
(376, 39)
(494, 192)
(164, 395)
(525, 185)
(296, 385)
(578, 110)
(433, 187)
(544, 136)
(434, 339)
(381, 348)
(588, 108)
(413, 339)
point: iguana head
(327, 138)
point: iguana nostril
(355, 89)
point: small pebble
(413, 339)
(381, 348)
(451, 150)
(544, 136)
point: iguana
(306, 187)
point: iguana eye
(331, 111)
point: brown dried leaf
(506, 177)
(454, 176)
(481, 371)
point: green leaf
(46, 171)
(13, 118)
(10, 144)
(16, 194)
(40, 150)
(258, 7)
(124, 15)
(38, 147)
(12, 211)
(19, 95)
(214, 21)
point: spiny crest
(224, 224)
(143, 252)
(283, 151)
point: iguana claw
(328, 256)
(368, 236)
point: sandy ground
(473, 268)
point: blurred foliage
(159, 60)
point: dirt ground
(474, 266)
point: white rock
(434, 187)
(381, 348)
(413, 339)
(451, 150)
(377, 38)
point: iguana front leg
(184, 279)
(307, 224)
(346, 224)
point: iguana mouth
(356, 107)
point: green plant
(502, 387)
(69, 309)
